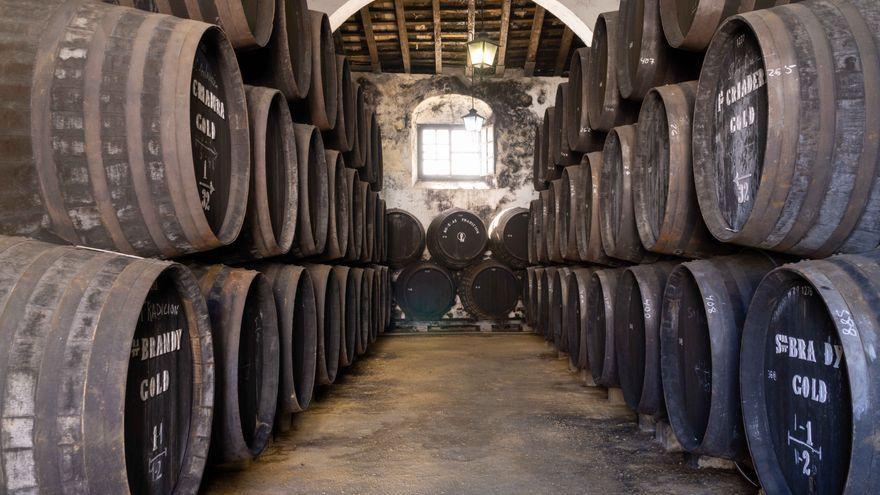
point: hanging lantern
(482, 52)
(473, 121)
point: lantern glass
(482, 52)
(473, 121)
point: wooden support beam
(367, 20)
(534, 39)
(471, 25)
(400, 14)
(502, 38)
(564, 47)
(438, 38)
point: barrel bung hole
(159, 390)
(806, 390)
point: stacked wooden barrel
(721, 139)
(133, 132)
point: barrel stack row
(698, 151)
(220, 174)
(489, 287)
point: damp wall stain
(517, 106)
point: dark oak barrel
(537, 156)
(540, 300)
(320, 106)
(328, 306)
(571, 206)
(704, 309)
(357, 157)
(620, 236)
(548, 222)
(565, 156)
(808, 353)
(108, 372)
(376, 314)
(530, 295)
(244, 331)
(156, 168)
(588, 224)
(456, 237)
(533, 232)
(361, 193)
(554, 249)
(424, 291)
(381, 239)
(313, 212)
(355, 217)
(489, 290)
(637, 311)
(270, 223)
(370, 198)
(599, 334)
(297, 335)
(377, 164)
(549, 145)
(406, 238)
(690, 24)
(509, 237)
(577, 316)
(581, 137)
(769, 174)
(338, 215)
(342, 137)
(286, 62)
(362, 339)
(349, 294)
(665, 200)
(607, 109)
(645, 59)
(557, 290)
(386, 298)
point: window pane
(466, 164)
(435, 167)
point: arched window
(444, 150)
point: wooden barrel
(338, 215)
(329, 307)
(565, 156)
(704, 308)
(607, 109)
(645, 58)
(538, 300)
(637, 305)
(381, 241)
(601, 294)
(369, 214)
(313, 216)
(581, 137)
(529, 296)
(358, 155)
(808, 355)
(539, 226)
(665, 199)
(557, 286)
(297, 335)
(342, 137)
(270, 222)
(549, 146)
(554, 242)
(406, 238)
(286, 62)
(385, 297)
(588, 225)
(244, 331)
(89, 335)
(489, 290)
(568, 210)
(159, 168)
(509, 236)
(537, 166)
(768, 173)
(320, 108)
(378, 175)
(456, 237)
(362, 339)
(386, 275)
(577, 316)
(690, 24)
(620, 236)
(532, 233)
(349, 294)
(424, 291)
(355, 228)
(376, 301)
(545, 278)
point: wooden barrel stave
(549, 146)
(565, 155)
(578, 316)
(363, 337)
(357, 156)
(313, 212)
(600, 329)
(320, 106)
(588, 226)
(571, 208)
(342, 137)
(338, 214)
(406, 238)
(328, 305)
(489, 290)
(554, 250)
(508, 237)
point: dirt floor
(467, 414)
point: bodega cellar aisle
(467, 414)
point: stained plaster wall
(517, 104)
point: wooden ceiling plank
(370, 39)
(438, 38)
(534, 39)
(400, 14)
(471, 25)
(564, 47)
(502, 38)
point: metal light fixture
(482, 50)
(473, 121)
